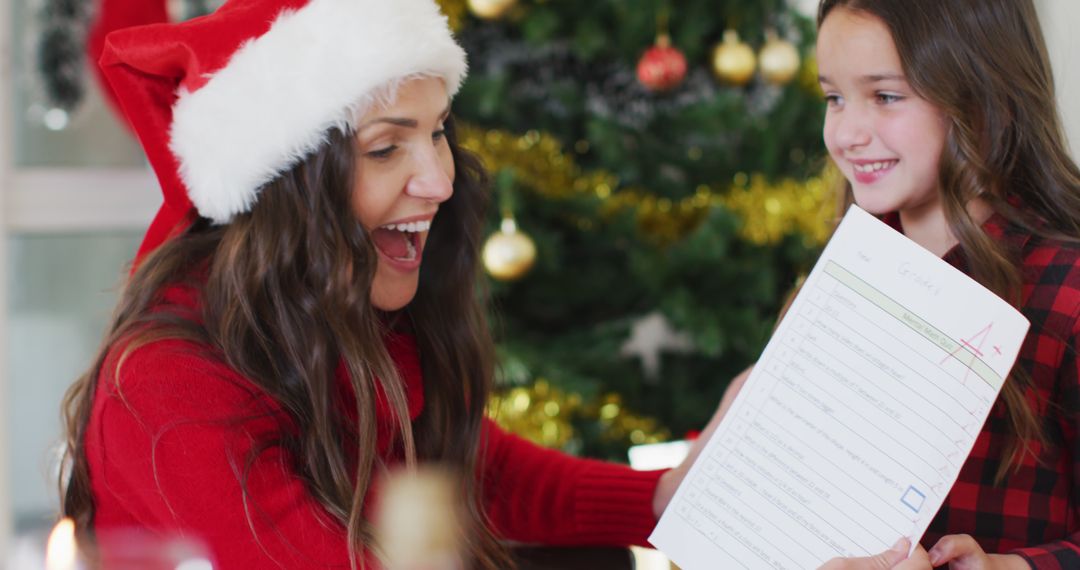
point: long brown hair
(984, 64)
(284, 295)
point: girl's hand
(895, 558)
(669, 481)
(961, 552)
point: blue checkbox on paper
(913, 498)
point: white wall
(1060, 19)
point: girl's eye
(887, 98)
(833, 100)
(382, 152)
(438, 135)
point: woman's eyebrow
(401, 121)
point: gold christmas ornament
(732, 60)
(490, 9)
(509, 253)
(779, 59)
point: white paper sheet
(853, 425)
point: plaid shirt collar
(996, 226)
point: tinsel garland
(808, 76)
(455, 11)
(546, 415)
(769, 211)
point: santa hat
(225, 103)
(112, 15)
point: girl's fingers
(952, 547)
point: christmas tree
(672, 187)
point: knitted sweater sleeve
(537, 495)
(181, 445)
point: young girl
(941, 116)
(303, 315)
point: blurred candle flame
(60, 551)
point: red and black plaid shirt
(1035, 511)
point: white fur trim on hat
(316, 68)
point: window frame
(43, 200)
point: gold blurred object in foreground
(419, 521)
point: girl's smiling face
(886, 139)
(404, 170)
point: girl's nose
(851, 129)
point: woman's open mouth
(401, 243)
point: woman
(302, 315)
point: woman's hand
(961, 552)
(895, 558)
(670, 481)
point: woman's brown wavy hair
(285, 297)
(984, 64)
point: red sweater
(168, 439)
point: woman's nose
(433, 179)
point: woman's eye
(382, 152)
(887, 98)
(438, 135)
(833, 100)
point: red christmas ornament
(661, 67)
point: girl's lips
(865, 176)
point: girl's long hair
(984, 64)
(285, 298)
